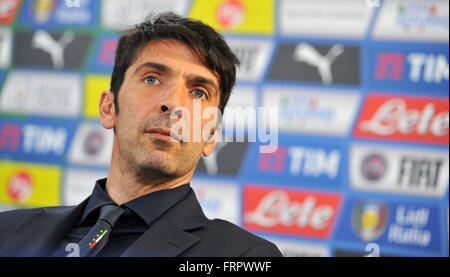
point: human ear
(107, 109)
(212, 141)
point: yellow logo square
(95, 85)
(236, 16)
(29, 185)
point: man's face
(165, 75)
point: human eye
(199, 93)
(151, 80)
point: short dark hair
(207, 44)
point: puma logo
(44, 41)
(308, 54)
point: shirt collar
(98, 198)
(149, 207)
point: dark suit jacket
(182, 231)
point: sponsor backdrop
(361, 165)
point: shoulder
(234, 241)
(12, 217)
(20, 212)
(17, 214)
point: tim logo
(302, 161)
(32, 139)
(415, 67)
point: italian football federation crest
(369, 219)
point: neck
(123, 189)
(124, 184)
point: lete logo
(406, 119)
(299, 212)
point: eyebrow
(158, 66)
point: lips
(164, 134)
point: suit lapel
(41, 232)
(169, 236)
(161, 240)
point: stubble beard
(143, 163)
(150, 161)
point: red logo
(390, 66)
(9, 136)
(275, 161)
(108, 51)
(299, 212)
(8, 10)
(231, 13)
(404, 119)
(93, 143)
(20, 187)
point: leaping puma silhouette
(44, 41)
(308, 54)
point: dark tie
(98, 236)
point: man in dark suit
(165, 68)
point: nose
(164, 108)
(172, 100)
